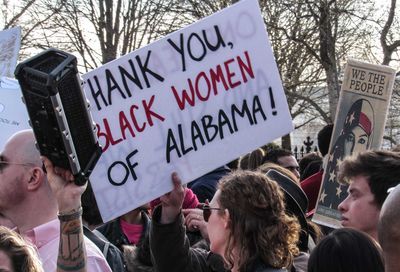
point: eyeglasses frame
(207, 211)
(13, 163)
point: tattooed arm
(71, 253)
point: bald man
(38, 207)
(389, 230)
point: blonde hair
(23, 255)
(252, 160)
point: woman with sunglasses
(247, 227)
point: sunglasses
(207, 211)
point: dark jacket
(113, 232)
(112, 254)
(205, 186)
(172, 253)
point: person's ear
(35, 178)
(227, 219)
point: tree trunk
(328, 55)
(332, 83)
(286, 142)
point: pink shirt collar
(44, 233)
(46, 239)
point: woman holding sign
(247, 226)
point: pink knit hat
(190, 201)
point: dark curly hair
(259, 226)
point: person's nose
(343, 206)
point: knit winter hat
(190, 201)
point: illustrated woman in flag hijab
(356, 136)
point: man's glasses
(293, 168)
(207, 211)
(3, 164)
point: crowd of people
(253, 216)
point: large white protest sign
(10, 43)
(189, 103)
(13, 113)
(359, 125)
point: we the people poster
(359, 125)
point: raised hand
(172, 201)
(61, 181)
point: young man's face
(359, 210)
